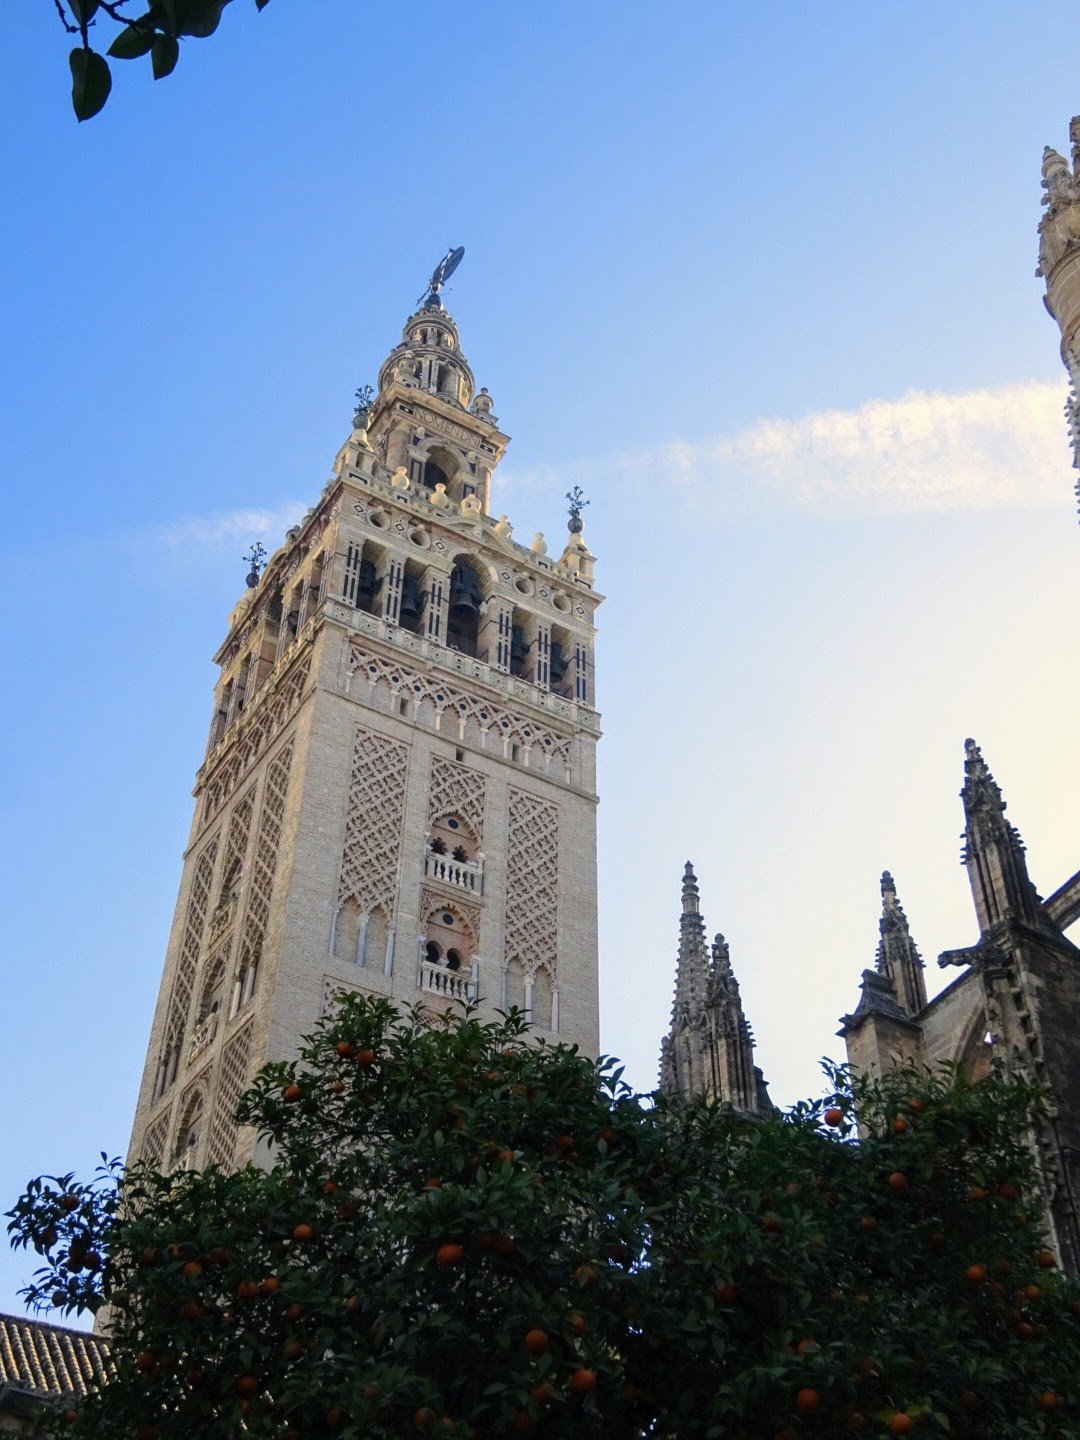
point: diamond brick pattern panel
(190, 945)
(153, 1144)
(266, 853)
(234, 1074)
(448, 700)
(532, 882)
(457, 790)
(369, 864)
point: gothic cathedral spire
(709, 1051)
(898, 956)
(398, 794)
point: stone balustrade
(451, 984)
(463, 874)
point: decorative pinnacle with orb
(256, 558)
(577, 503)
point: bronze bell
(367, 585)
(559, 662)
(519, 648)
(466, 596)
(412, 601)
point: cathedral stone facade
(1015, 1006)
(1059, 266)
(399, 790)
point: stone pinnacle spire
(898, 956)
(692, 971)
(993, 851)
(709, 1051)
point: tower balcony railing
(203, 1034)
(436, 979)
(462, 874)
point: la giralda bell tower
(398, 794)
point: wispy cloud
(926, 451)
(227, 527)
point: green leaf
(133, 41)
(166, 54)
(199, 17)
(83, 10)
(90, 82)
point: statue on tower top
(439, 276)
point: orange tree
(462, 1233)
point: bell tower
(398, 794)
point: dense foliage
(464, 1233)
(155, 29)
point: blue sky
(760, 277)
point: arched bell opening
(450, 835)
(365, 572)
(440, 466)
(413, 598)
(522, 644)
(463, 611)
(561, 662)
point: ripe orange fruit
(337, 1087)
(976, 1193)
(976, 1274)
(1008, 1191)
(247, 1385)
(901, 1423)
(808, 1344)
(190, 1310)
(424, 1418)
(772, 1223)
(366, 1058)
(1046, 1260)
(344, 1049)
(191, 1269)
(293, 1349)
(583, 1381)
(302, 1233)
(1047, 1401)
(448, 1254)
(565, 1143)
(543, 1394)
(69, 1203)
(899, 1125)
(578, 1324)
(247, 1289)
(868, 1223)
(586, 1276)
(833, 1116)
(145, 1361)
(1032, 1293)
(727, 1294)
(293, 1092)
(335, 1418)
(807, 1400)
(915, 1105)
(536, 1342)
(897, 1181)
(294, 1311)
(270, 1284)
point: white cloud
(226, 527)
(926, 451)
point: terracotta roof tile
(50, 1360)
